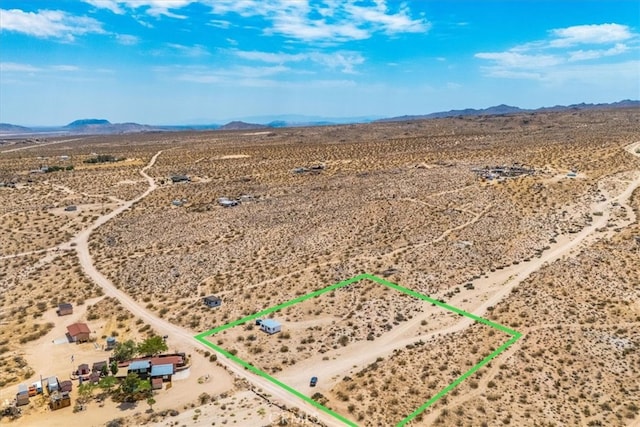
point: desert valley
(528, 220)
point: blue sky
(184, 61)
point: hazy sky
(183, 61)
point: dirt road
(42, 144)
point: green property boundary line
(514, 337)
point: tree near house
(125, 350)
(129, 386)
(151, 401)
(85, 392)
(114, 367)
(152, 346)
(107, 383)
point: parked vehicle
(313, 382)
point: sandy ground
(48, 356)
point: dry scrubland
(32, 214)
(397, 196)
(394, 199)
(579, 360)
(30, 287)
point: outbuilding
(180, 178)
(83, 369)
(212, 301)
(270, 326)
(66, 386)
(111, 343)
(22, 397)
(99, 366)
(78, 332)
(59, 400)
(52, 384)
(64, 309)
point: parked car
(258, 322)
(313, 382)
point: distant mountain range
(239, 125)
(104, 127)
(507, 109)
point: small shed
(78, 332)
(140, 367)
(64, 309)
(52, 384)
(270, 326)
(111, 343)
(23, 389)
(156, 383)
(59, 400)
(94, 377)
(22, 399)
(99, 366)
(180, 178)
(71, 208)
(66, 385)
(212, 301)
(83, 369)
(164, 372)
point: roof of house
(270, 323)
(64, 305)
(83, 366)
(139, 364)
(78, 328)
(23, 388)
(99, 365)
(212, 298)
(160, 370)
(173, 360)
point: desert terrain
(552, 254)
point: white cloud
(48, 23)
(321, 21)
(111, 5)
(512, 59)
(583, 55)
(274, 58)
(553, 59)
(153, 7)
(14, 67)
(325, 21)
(191, 51)
(235, 75)
(70, 68)
(590, 34)
(391, 23)
(127, 39)
(343, 60)
(219, 23)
